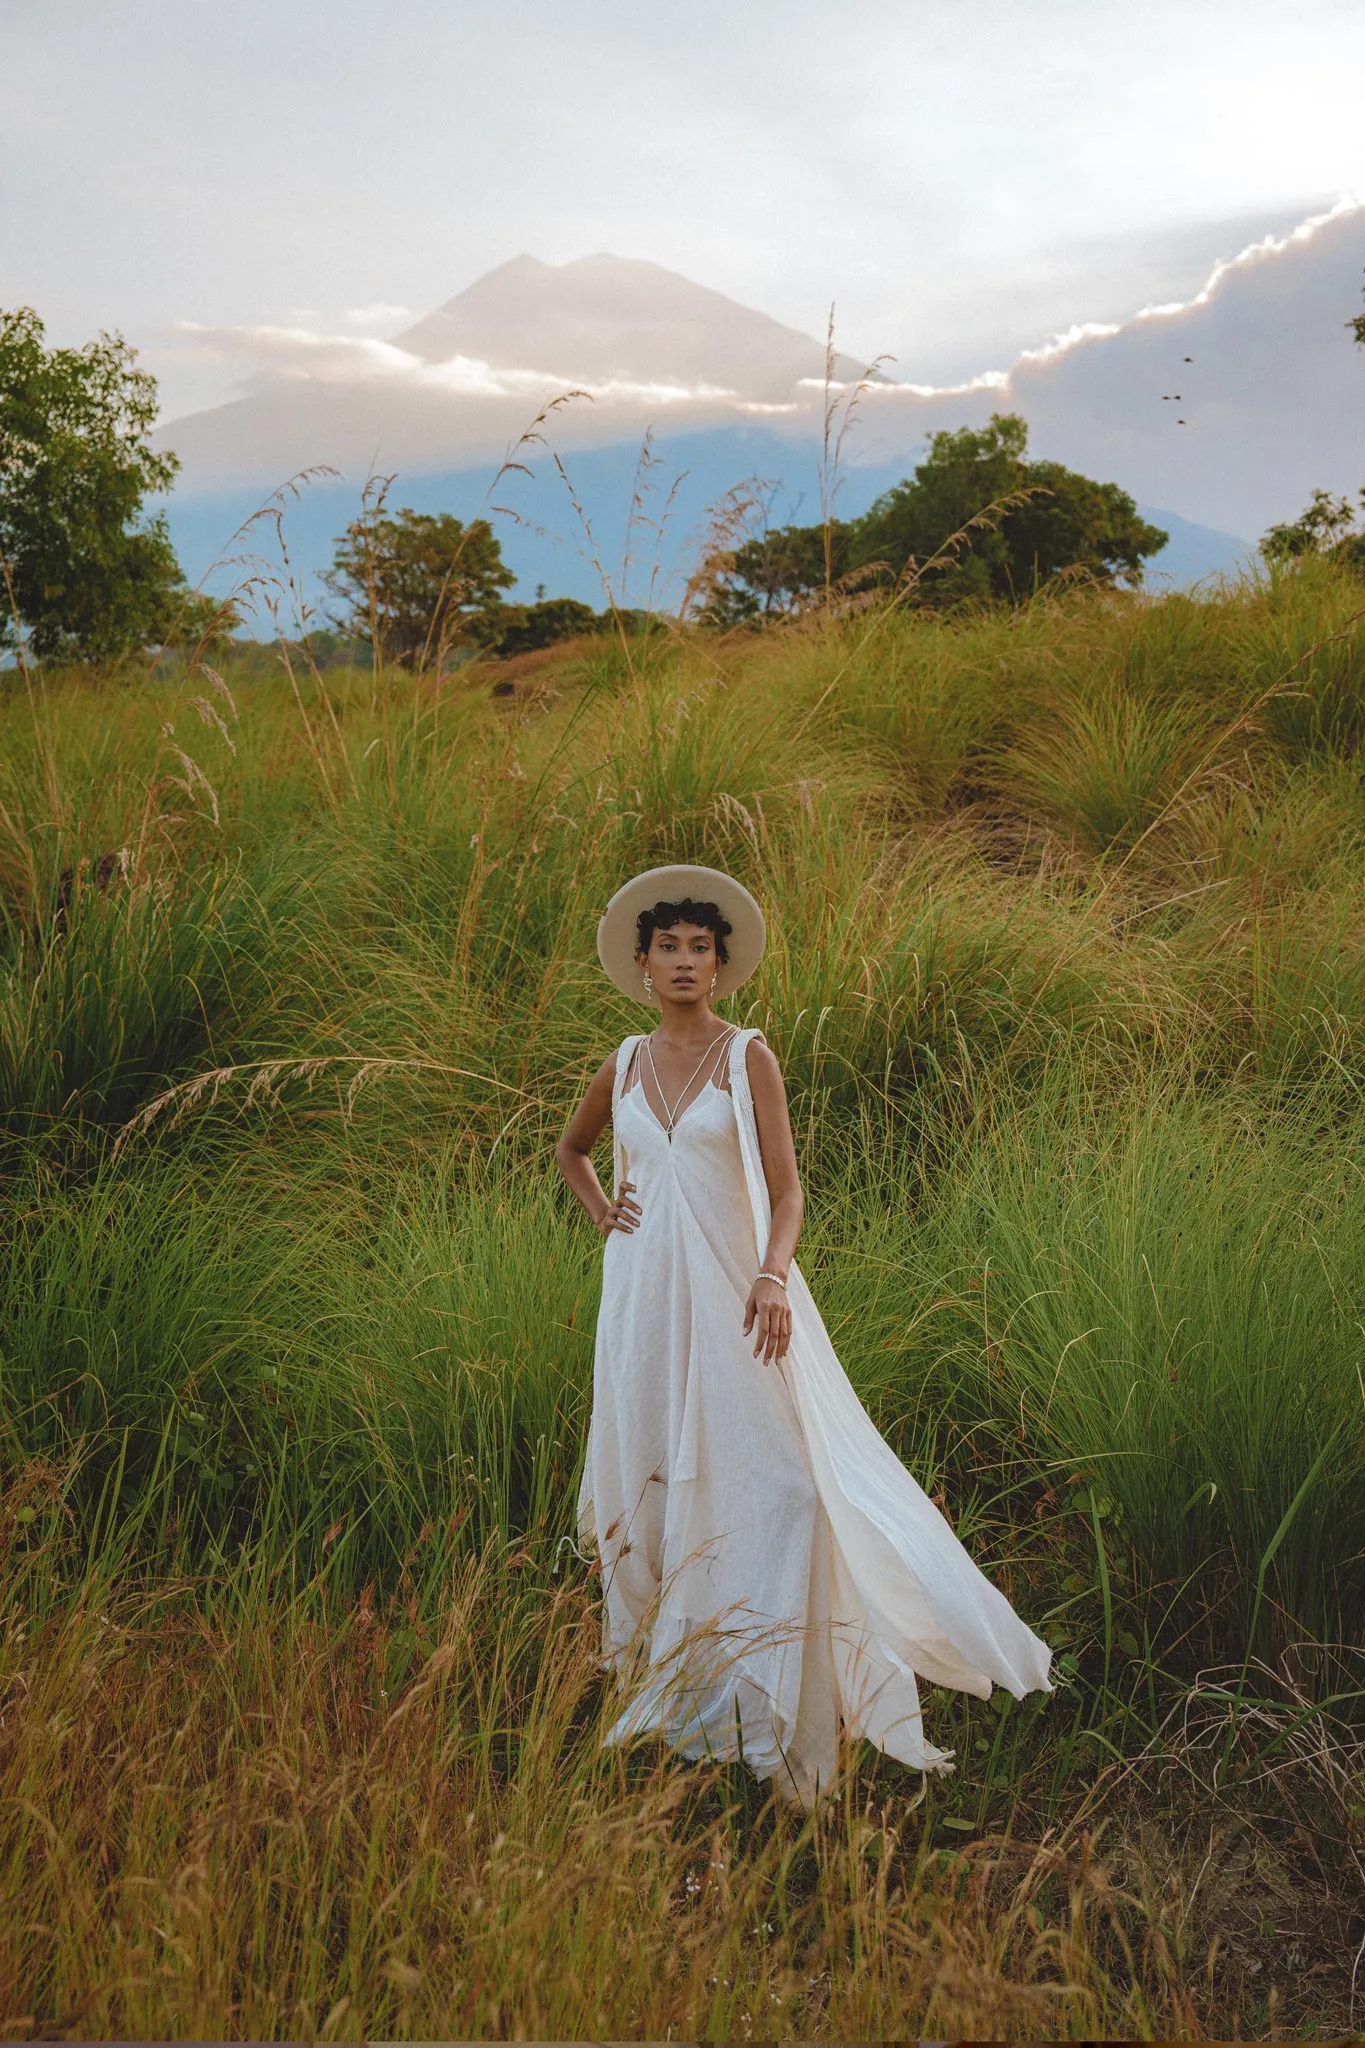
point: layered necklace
(676, 1111)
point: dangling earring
(649, 983)
(711, 991)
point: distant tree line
(977, 520)
(419, 585)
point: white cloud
(301, 352)
(1079, 331)
(1260, 251)
(985, 380)
(1255, 252)
(304, 354)
(380, 314)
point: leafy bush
(83, 579)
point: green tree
(418, 583)
(1058, 520)
(941, 525)
(84, 575)
(1326, 526)
(522, 628)
(776, 573)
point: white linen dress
(770, 1569)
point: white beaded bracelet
(770, 1276)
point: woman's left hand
(767, 1312)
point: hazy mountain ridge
(604, 318)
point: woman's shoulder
(759, 1056)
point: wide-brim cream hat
(618, 925)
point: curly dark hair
(662, 917)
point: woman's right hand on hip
(622, 1214)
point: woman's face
(682, 961)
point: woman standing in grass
(766, 1558)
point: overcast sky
(963, 177)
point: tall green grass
(1065, 974)
(317, 1350)
(134, 984)
(1155, 1310)
(388, 970)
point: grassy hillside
(1066, 975)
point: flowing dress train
(770, 1569)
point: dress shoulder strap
(750, 1150)
(625, 1053)
(721, 1057)
(739, 1072)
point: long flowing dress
(770, 1569)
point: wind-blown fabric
(770, 1568)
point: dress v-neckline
(638, 1086)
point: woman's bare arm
(778, 1149)
(767, 1304)
(573, 1156)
